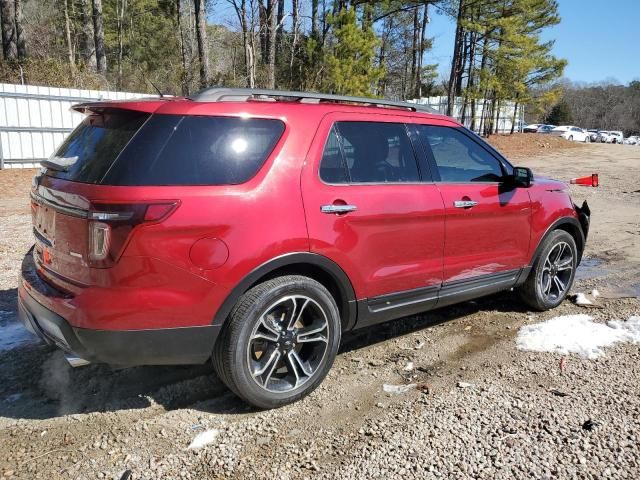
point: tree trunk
(183, 52)
(21, 41)
(314, 19)
(101, 56)
(121, 5)
(513, 118)
(203, 53)
(455, 61)
(271, 43)
(87, 42)
(414, 52)
(8, 29)
(67, 32)
(87, 39)
(423, 39)
(295, 19)
(279, 27)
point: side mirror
(522, 176)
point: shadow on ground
(37, 383)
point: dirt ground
(516, 415)
(530, 144)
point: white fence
(504, 118)
(35, 120)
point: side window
(368, 152)
(458, 157)
(332, 167)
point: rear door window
(190, 150)
(459, 158)
(369, 152)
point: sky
(600, 39)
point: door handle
(464, 203)
(337, 208)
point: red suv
(255, 227)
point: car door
(487, 224)
(372, 211)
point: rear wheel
(280, 341)
(553, 272)
(571, 138)
(587, 139)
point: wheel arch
(312, 265)
(572, 227)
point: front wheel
(587, 139)
(571, 138)
(553, 272)
(280, 341)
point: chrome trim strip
(74, 212)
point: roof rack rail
(218, 94)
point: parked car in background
(533, 128)
(546, 128)
(604, 137)
(572, 133)
(616, 136)
(174, 231)
(593, 134)
(632, 140)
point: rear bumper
(166, 346)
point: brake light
(110, 225)
(99, 240)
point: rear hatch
(125, 167)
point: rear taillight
(110, 225)
(99, 240)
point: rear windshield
(128, 148)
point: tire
(587, 139)
(571, 138)
(293, 324)
(541, 291)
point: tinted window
(458, 157)
(332, 167)
(176, 150)
(371, 152)
(89, 151)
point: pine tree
(349, 66)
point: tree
(560, 114)
(9, 49)
(203, 54)
(101, 57)
(21, 42)
(271, 34)
(87, 39)
(349, 66)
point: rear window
(90, 150)
(183, 150)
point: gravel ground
(482, 410)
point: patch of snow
(595, 293)
(12, 333)
(465, 385)
(581, 299)
(398, 388)
(203, 439)
(577, 334)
